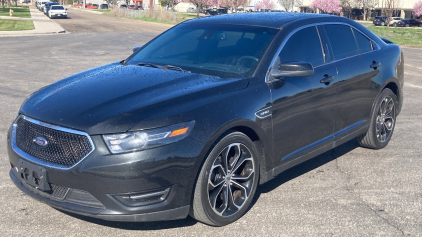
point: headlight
(141, 140)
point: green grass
(22, 12)
(408, 36)
(15, 25)
(153, 20)
(101, 10)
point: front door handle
(327, 79)
(374, 64)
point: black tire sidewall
(386, 92)
(235, 137)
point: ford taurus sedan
(194, 120)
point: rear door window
(364, 44)
(342, 41)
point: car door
(358, 62)
(303, 108)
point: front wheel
(227, 181)
(382, 122)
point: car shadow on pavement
(305, 167)
(156, 225)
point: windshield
(57, 8)
(218, 49)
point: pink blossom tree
(231, 4)
(328, 6)
(264, 4)
(417, 9)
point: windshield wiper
(149, 65)
(164, 67)
(176, 68)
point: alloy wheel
(231, 179)
(385, 119)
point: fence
(163, 15)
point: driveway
(348, 191)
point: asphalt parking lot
(349, 191)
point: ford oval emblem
(40, 141)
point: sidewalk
(43, 25)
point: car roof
(265, 19)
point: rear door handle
(375, 64)
(327, 79)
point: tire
(224, 190)
(382, 24)
(383, 121)
(394, 24)
(407, 25)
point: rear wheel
(394, 24)
(382, 122)
(382, 24)
(227, 181)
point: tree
(264, 4)
(288, 5)
(347, 7)
(230, 4)
(366, 6)
(417, 9)
(328, 6)
(390, 7)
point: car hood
(114, 98)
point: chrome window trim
(267, 75)
(40, 162)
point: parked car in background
(57, 11)
(122, 6)
(92, 6)
(173, 129)
(216, 11)
(409, 22)
(80, 5)
(380, 20)
(103, 6)
(131, 7)
(48, 5)
(191, 9)
(41, 6)
(395, 20)
(139, 8)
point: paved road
(349, 191)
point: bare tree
(366, 6)
(289, 5)
(390, 7)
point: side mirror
(136, 48)
(293, 69)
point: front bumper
(95, 183)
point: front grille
(63, 148)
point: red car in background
(131, 6)
(92, 6)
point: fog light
(143, 199)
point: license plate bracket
(33, 175)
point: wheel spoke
(243, 178)
(387, 129)
(224, 159)
(231, 203)
(245, 190)
(240, 163)
(214, 195)
(237, 155)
